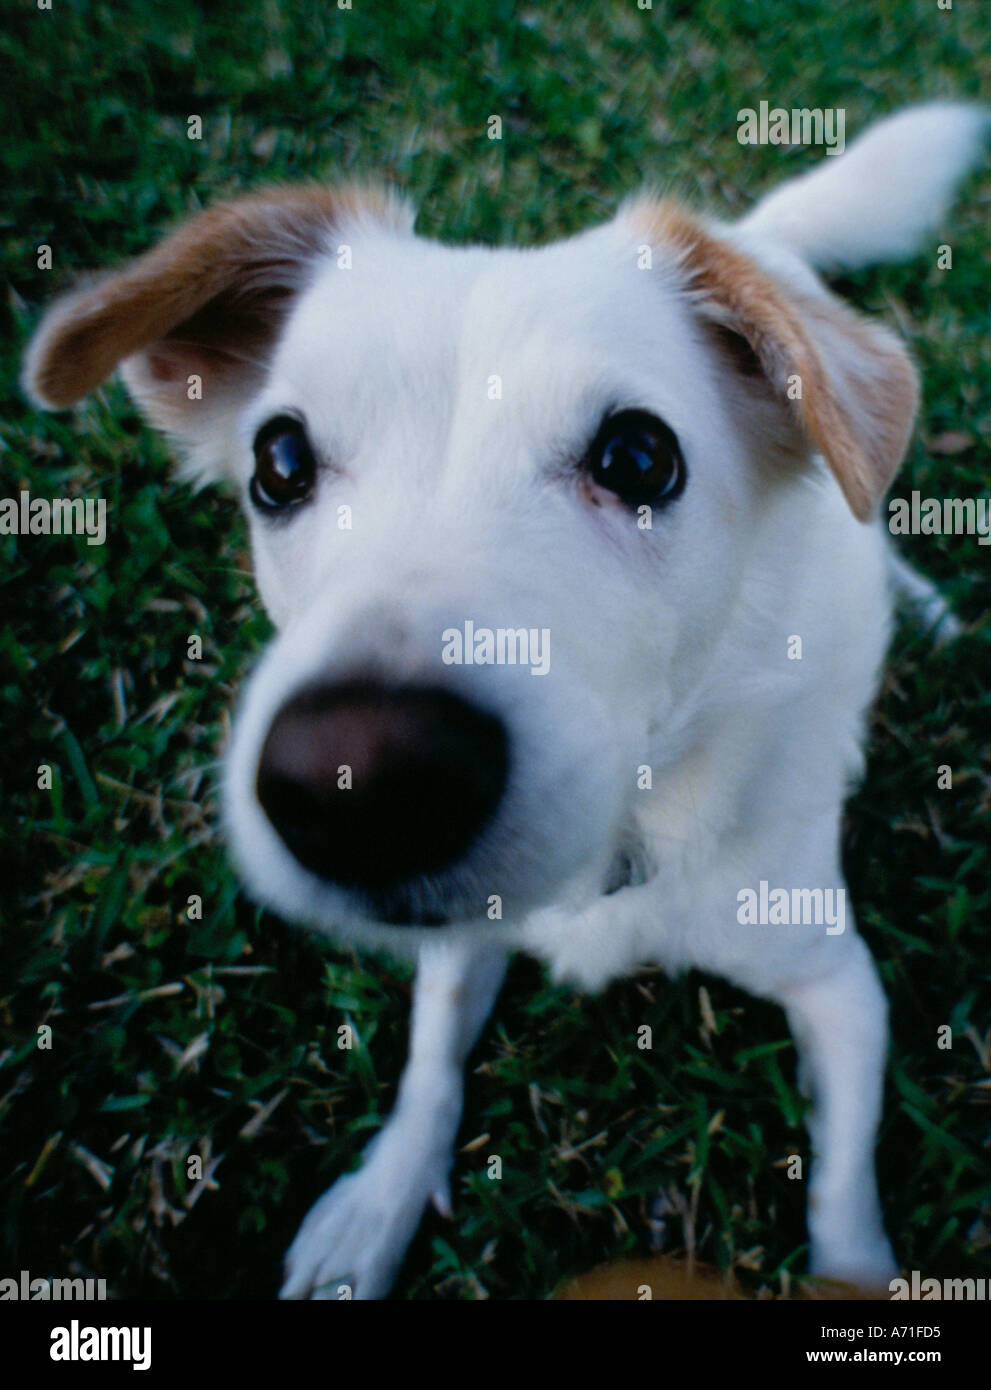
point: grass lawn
(217, 1036)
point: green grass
(222, 1016)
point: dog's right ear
(192, 322)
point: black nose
(369, 786)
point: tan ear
(207, 301)
(859, 389)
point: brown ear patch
(218, 284)
(858, 388)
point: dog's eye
(285, 468)
(637, 457)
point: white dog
(582, 599)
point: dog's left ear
(846, 381)
(192, 322)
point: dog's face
(455, 415)
(500, 505)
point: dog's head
(500, 502)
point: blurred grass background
(218, 1036)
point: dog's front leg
(838, 1017)
(354, 1238)
(839, 1023)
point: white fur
(876, 202)
(669, 647)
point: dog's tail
(878, 200)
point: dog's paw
(353, 1239)
(869, 1265)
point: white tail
(878, 200)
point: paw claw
(441, 1198)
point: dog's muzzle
(371, 787)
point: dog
(581, 598)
